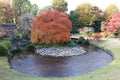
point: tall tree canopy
(86, 15)
(21, 6)
(60, 5)
(75, 19)
(34, 9)
(6, 12)
(110, 10)
(112, 26)
(49, 7)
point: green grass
(110, 72)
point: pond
(48, 66)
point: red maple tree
(51, 27)
(112, 26)
(114, 23)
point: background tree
(24, 25)
(75, 19)
(6, 12)
(110, 10)
(60, 5)
(2, 12)
(9, 15)
(46, 8)
(21, 7)
(99, 18)
(34, 9)
(86, 15)
(26, 7)
(97, 11)
(51, 27)
(114, 25)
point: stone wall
(9, 28)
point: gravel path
(61, 51)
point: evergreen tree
(75, 19)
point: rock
(61, 51)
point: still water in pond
(46, 66)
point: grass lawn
(110, 72)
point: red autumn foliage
(97, 36)
(112, 26)
(114, 23)
(51, 27)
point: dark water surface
(47, 66)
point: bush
(86, 42)
(30, 47)
(66, 44)
(83, 41)
(26, 35)
(71, 44)
(3, 50)
(7, 39)
(16, 50)
(7, 44)
(46, 45)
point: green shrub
(81, 40)
(7, 39)
(30, 47)
(47, 45)
(90, 32)
(17, 50)
(65, 44)
(71, 44)
(86, 42)
(26, 35)
(7, 44)
(3, 50)
(68, 44)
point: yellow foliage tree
(110, 10)
(86, 15)
(60, 5)
(6, 12)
